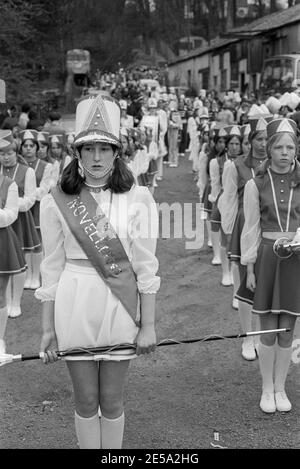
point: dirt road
(178, 398)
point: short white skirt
(88, 314)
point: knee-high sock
(235, 276)
(266, 357)
(282, 364)
(28, 260)
(88, 432)
(245, 315)
(215, 240)
(112, 432)
(18, 282)
(208, 228)
(9, 293)
(224, 261)
(3, 321)
(36, 263)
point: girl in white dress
(108, 301)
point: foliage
(35, 34)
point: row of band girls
(248, 180)
(29, 167)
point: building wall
(285, 40)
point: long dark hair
(120, 180)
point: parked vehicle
(281, 73)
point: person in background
(15, 167)
(43, 172)
(24, 117)
(11, 257)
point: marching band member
(59, 156)
(43, 172)
(162, 136)
(271, 285)
(43, 151)
(246, 146)
(194, 145)
(13, 166)
(239, 171)
(174, 127)
(234, 148)
(127, 121)
(11, 257)
(93, 249)
(206, 168)
(152, 152)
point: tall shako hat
(43, 137)
(273, 104)
(277, 126)
(219, 132)
(233, 131)
(6, 138)
(70, 137)
(98, 120)
(259, 123)
(245, 130)
(29, 134)
(57, 138)
(152, 103)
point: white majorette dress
(24, 226)
(11, 256)
(272, 204)
(90, 314)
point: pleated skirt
(277, 283)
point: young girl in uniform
(216, 168)
(204, 185)
(43, 172)
(11, 257)
(59, 156)
(271, 284)
(95, 251)
(16, 169)
(230, 204)
(43, 142)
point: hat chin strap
(99, 174)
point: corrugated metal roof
(214, 44)
(273, 21)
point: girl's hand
(49, 340)
(145, 340)
(251, 282)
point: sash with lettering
(98, 239)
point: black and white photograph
(149, 228)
